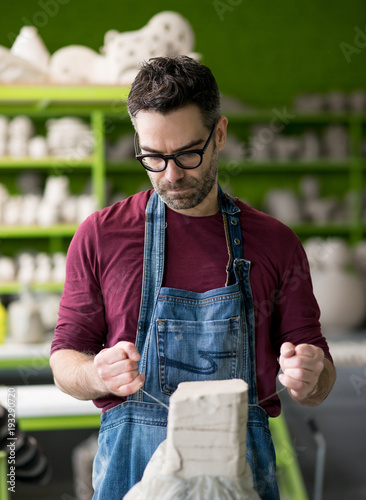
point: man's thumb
(287, 350)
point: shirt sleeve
(296, 311)
(81, 322)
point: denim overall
(185, 336)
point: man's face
(192, 192)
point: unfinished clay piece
(207, 429)
(203, 457)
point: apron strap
(238, 268)
(153, 269)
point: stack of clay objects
(117, 63)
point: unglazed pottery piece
(73, 64)
(25, 323)
(14, 69)
(204, 455)
(29, 46)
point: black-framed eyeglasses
(186, 159)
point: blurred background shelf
(62, 230)
(49, 163)
(14, 287)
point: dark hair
(166, 84)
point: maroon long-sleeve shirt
(101, 297)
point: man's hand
(117, 367)
(302, 366)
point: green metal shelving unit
(4, 495)
(41, 103)
(352, 168)
(103, 106)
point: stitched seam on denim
(133, 420)
(235, 339)
(162, 370)
(259, 425)
(166, 388)
(203, 302)
(234, 318)
(125, 418)
(228, 246)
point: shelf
(225, 165)
(16, 355)
(43, 94)
(63, 230)
(104, 106)
(54, 409)
(290, 166)
(321, 230)
(14, 287)
(49, 162)
(287, 116)
(130, 166)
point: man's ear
(220, 134)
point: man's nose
(172, 172)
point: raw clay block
(207, 429)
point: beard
(196, 188)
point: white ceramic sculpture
(59, 267)
(4, 124)
(48, 214)
(69, 210)
(341, 298)
(37, 147)
(309, 103)
(167, 33)
(336, 101)
(18, 148)
(339, 292)
(11, 210)
(203, 457)
(4, 196)
(285, 148)
(310, 149)
(74, 64)
(48, 305)
(21, 127)
(20, 130)
(336, 142)
(357, 100)
(30, 46)
(320, 210)
(327, 253)
(14, 69)
(28, 61)
(26, 268)
(7, 269)
(283, 204)
(360, 257)
(24, 319)
(86, 205)
(43, 268)
(29, 209)
(69, 137)
(57, 189)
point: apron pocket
(191, 351)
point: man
(169, 286)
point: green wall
(264, 52)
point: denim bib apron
(185, 336)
